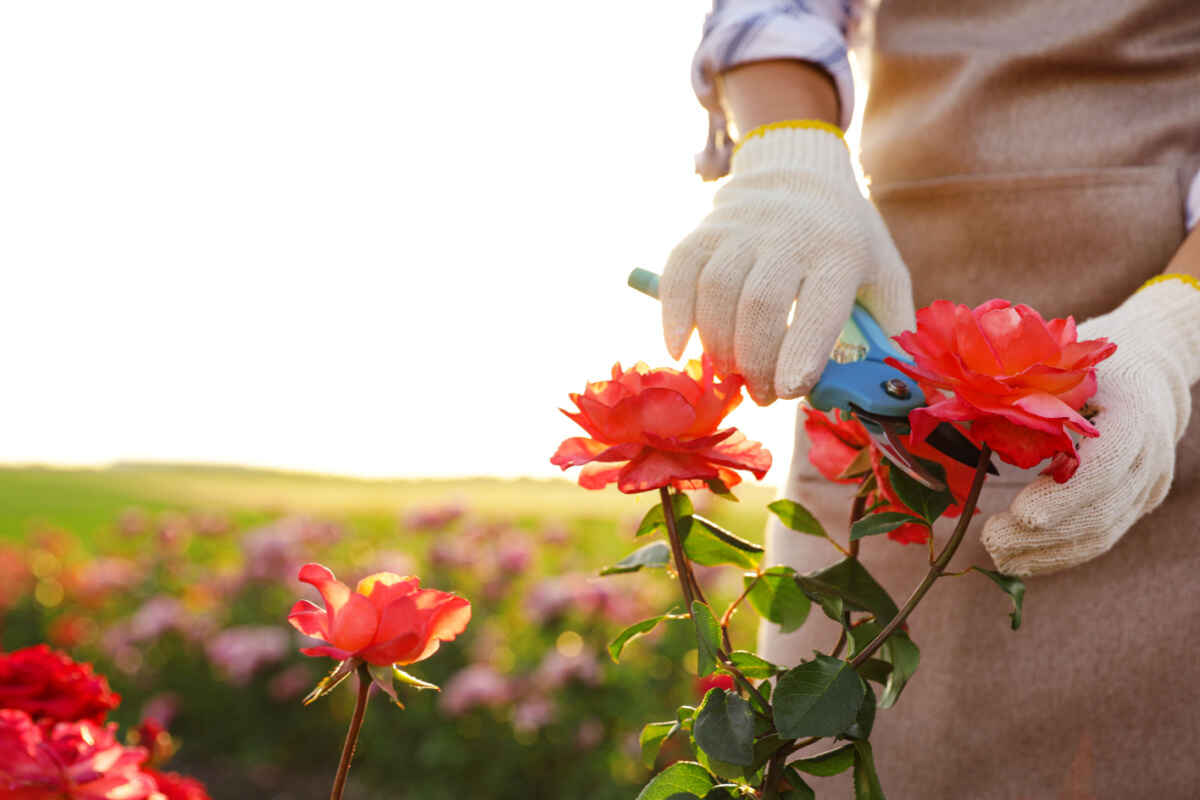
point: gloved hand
(790, 225)
(1144, 401)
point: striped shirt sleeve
(744, 31)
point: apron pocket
(1067, 242)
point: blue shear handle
(859, 382)
(862, 383)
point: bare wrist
(772, 91)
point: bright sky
(374, 238)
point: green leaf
(382, 677)
(637, 629)
(923, 501)
(685, 715)
(682, 777)
(752, 666)
(1013, 587)
(905, 657)
(764, 748)
(859, 466)
(849, 580)
(654, 519)
(702, 546)
(708, 637)
(862, 634)
(883, 522)
(831, 762)
(874, 669)
(718, 487)
(778, 599)
(728, 537)
(818, 698)
(866, 781)
(865, 721)
(800, 789)
(654, 734)
(797, 517)
(655, 554)
(724, 728)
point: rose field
(175, 583)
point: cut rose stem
(360, 708)
(681, 569)
(856, 513)
(937, 567)
(687, 582)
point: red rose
(48, 685)
(836, 442)
(178, 787)
(651, 428)
(77, 760)
(1019, 380)
(388, 619)
(717, 680)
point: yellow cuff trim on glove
(1190, 280)
(810, 124)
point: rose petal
(654, 469)
(309, 619)
(383, 588)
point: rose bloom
(651, 428)
(48, 685)
(174, 786)
(75, 760)
(835, 444)
(717, 680)
(1019, 380)
(387, 620)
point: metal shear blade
(886, 433)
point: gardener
(1037, 152)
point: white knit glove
(790, 225)
(1144, 401)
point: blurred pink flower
(514, 556)
(605, 598)
(432, 518)
(589, 734)
(289, 684)
(210, 523)
(77, 760)
(174, 531)
(476, 685)
(556, 534)
(241, 651)
(557, 670)
(133, 522)
(278, 550)
(451, 553)
(161, 708)
(15, 577)
(533, 714)
(95, 580)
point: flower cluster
(1019, 380)
(838, 442)
(55, 744)
(651, 428)
(388, 619)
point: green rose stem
(360, 708)
(856, 513)
(691, 592)
(937, 567)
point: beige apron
(1035, 151)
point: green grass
(88, 501)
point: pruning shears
(857, 381)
